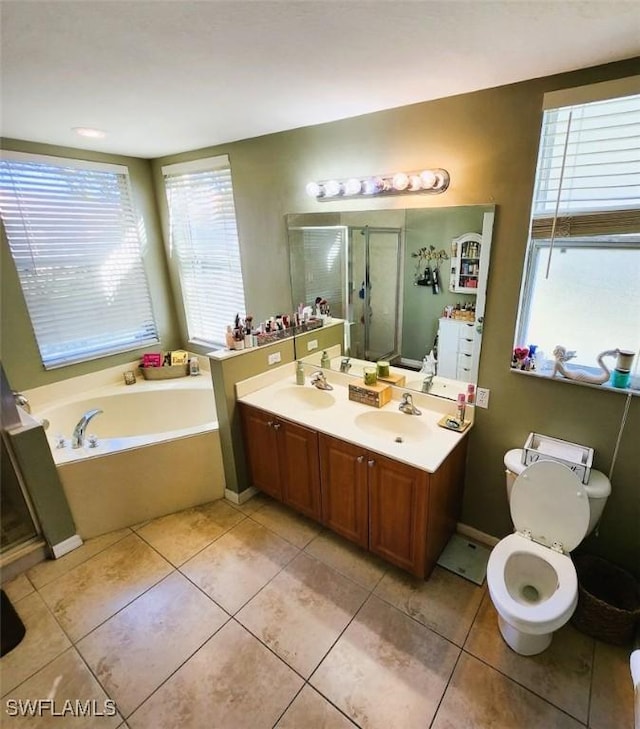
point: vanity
(389, 482)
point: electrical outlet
(313, 344)
(274, 358)
(482, 397)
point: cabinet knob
(277, 426)
(360, 459)
(371, 463)
(270, 423)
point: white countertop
(274, 392)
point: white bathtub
(158, 447)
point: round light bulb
(415, 183)
(313, 189)
(400, 181)
(429, 179)
(369, 186)
(352, 186)
(332, 188)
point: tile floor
(228, 617)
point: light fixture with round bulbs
(429, 181)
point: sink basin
(393, 426)
(306, 398)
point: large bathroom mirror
(408, 283)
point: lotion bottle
(299, 373)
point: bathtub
(158, 447)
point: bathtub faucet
(77, 440)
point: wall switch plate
(482, 397)
(313, 344)
(274, 358)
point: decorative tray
(447, 422)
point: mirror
(406, 282)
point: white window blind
(76, 243)
(204, 237)
(589, 159)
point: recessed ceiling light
(89, 132)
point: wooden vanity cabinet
(343, 471)
(283, 459)
(401, 513)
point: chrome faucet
(22, 401)
(319, 380)
(77, 439)
(345, 365)
(407, 405)
(427, 383)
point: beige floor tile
(445, 602)
(478, 697)
(287, 523)
(386, 670)
(313, 711)
(77, 697)
(95, 590)
(611, 690)
(302, 611)
(49, 570)
(348, 559)
(17, 588)
(43, 641)
(253, 504)
(140, 647)
(239, 564)
(232, 682)
(561, 674)
(180, 536)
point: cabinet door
(261, 447)
(344, 489)
(300, 468)
(398, 513)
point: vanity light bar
(434, 182)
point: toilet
(531, 578)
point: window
(582, 279)
(76, 243)
(204, 237)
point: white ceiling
(164, 76)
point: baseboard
(240, 498)
(68, 545)
(476, 535)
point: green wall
(488, 141)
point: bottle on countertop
(299, 373)
(194, 366)
(325, 362)
(461, 407)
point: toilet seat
(542, 617)
(550, 504)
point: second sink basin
(307, 398)
(393, 426)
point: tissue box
(376, 395)
(577, 457)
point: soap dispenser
(299, 373)
(325, 362)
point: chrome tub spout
(77, 439)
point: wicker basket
(165, 373)
(608, 600)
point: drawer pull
(371, 463)
(277, 426)
(360, 459)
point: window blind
(204, 237)
(589, 162)
(76, 243)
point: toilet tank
(598, 488)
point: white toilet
(531, 578)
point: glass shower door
(17, 521)
(375, 270)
